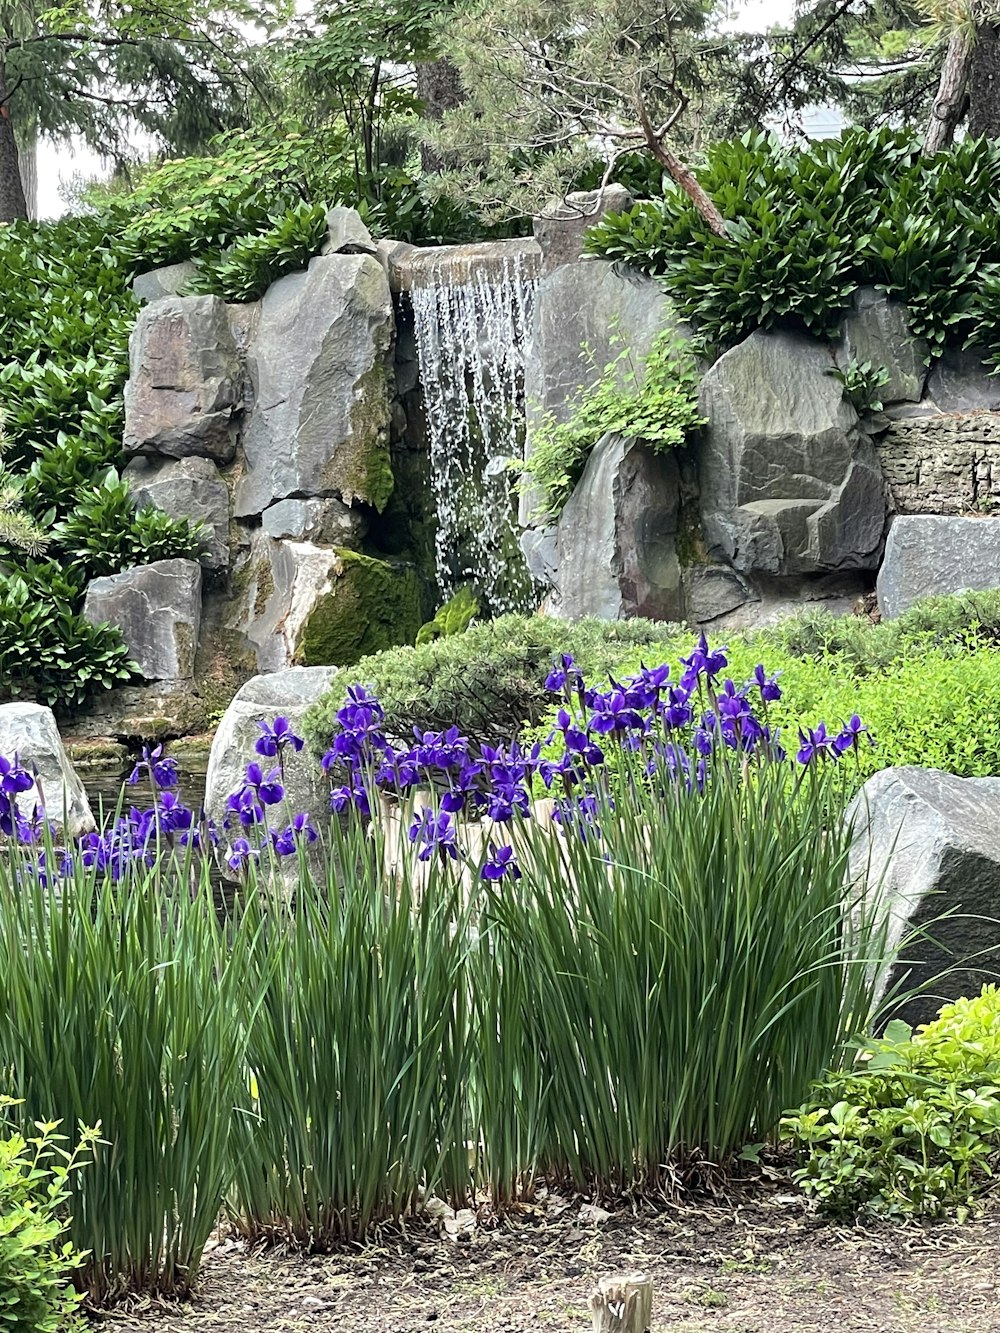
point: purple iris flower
(241, 855)
(770, 690)
(268, 790)
(434, 833)
(813, 744)
(501, 862)
(703, 662)
(850, 735)
(286, 842)
(612, 712)
(564, 674)
(162, 771)
(275, 737)
(14, 777)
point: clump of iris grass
(617, 988)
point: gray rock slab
(324, 522)
(961, 382)
(188, 488)
(790, 484)
(878, 331)
(288, 693)
(318, 364)
(561, 227)
(347, 234)
(616, 537)
(185, 380)
(713, 591)
(157, 608)
(170, 280)
(927, 555)
(927, 845)
(282, 582)
(29, 730)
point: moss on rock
(372, 605)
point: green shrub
(48, 652)
(36, 1265)
(489, 681)
(807, 227)
(245, 270)
(655, 401)
(105, 532)
(914, 1128)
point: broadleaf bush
(913, 1128)
(806, 227)
(37, 1264)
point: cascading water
(471, 337)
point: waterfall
(472, 334)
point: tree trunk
(13, 206)
(439, 87)
(947, 109)
(984, 83)
(623, 1304)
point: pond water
(103, 786)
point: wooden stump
(623, 1304)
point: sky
(60, 163)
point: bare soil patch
(749, 1266)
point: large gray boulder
(928, 555)
(927, 846)
(561, 227)
(327, 522)
(961, 382)
(157, 608)
(185, 381)
(29, 730)
(616, 537)
(188, 488)
(587, 314)
(318, 367)
(877, 331)
(790, 484)
(309, 605)
(289, 693)
(170, 280)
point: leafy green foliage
(246, 270)
(48, 652)
(913, 1129)
(488, 681)
(862, 383)
(36, 1265)
(655, 401)
(105, 532)
(807, 227)
(454, 617)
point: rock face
(561, 227)
(929, 845)
(615, 537)
(942, 464)
(877, 331)
(30, 730)
(188, 488)
(330, 522)
(928, 555)
(157, 607)
(289, 693)
(347, 234)
(311, 605)
(789, 482)
(160, 282)
(185, 380)
(318, 368)
(961, 382)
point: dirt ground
(752, 1265)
